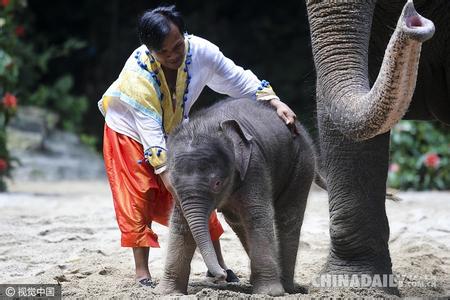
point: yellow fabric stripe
(156, 156)
(140, 89)
(266, 93)
(106, 100)
(172, 115)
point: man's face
(172, 52)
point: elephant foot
(166, 287)
(295, 288)
(358, 265)
(357, 274)
(268, 288)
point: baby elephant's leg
(180, 250)
(289, 211)
(262, 247)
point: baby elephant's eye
(216, 185)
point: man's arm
(230, 79)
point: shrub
(24, 62)
(10, 33)
(420, 156)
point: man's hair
(154, 25)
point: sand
(66, 232)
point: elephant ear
(242, 142)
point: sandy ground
(66, 232)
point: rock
(48, 154)
(62, 157)
(23, 141)
(28, 129)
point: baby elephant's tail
(319, 180)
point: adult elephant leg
(355, 120)
(180, 250)
(356, 181)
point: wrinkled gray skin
(366, 82)
(239, 157)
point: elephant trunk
(340, 40)
(197, 212)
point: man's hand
(286, 114)
(283, 111)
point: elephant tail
(390, 195)
(320, 181)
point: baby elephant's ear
(242, 142)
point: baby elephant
(239, 157)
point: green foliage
(9, 75)
(90, 141)
(420, 156)
(57, 96)
(28, 57)
(25, 62)
(6, 112)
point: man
(154, 93)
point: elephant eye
(216, 184)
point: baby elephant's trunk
(197, 215)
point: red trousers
(139, 195)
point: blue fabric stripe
(112, 94)
(133, 103)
